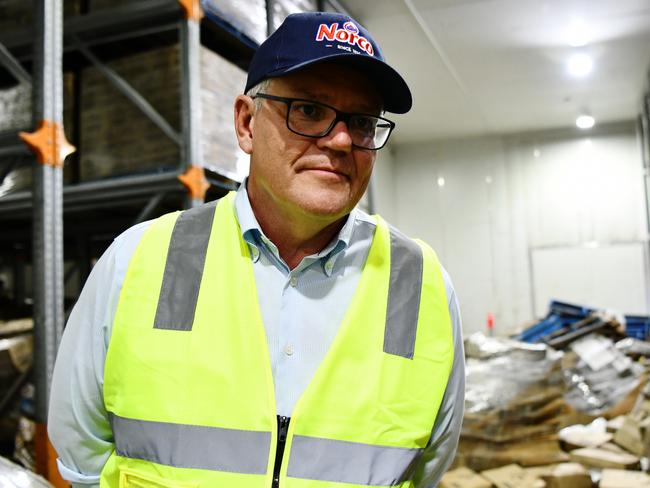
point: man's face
(321, 177)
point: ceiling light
(441, 182)
(578, 34)
(585, 122)
(580, 65)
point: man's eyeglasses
(314, 119)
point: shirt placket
(288, 333)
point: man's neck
(296, 236)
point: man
(278, 337)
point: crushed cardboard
(618, 478)
(565, 475)
(630, 436)
(513, 476)
(517, 413)
(602, 458)
(592, 435)
(463, 478)
(616, 423)
(480, 455)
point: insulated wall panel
(602, 277)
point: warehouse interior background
(524, 161)
(490, 168)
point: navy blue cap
(315, 37)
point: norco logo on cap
(348, 34)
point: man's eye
(364, 123)
(309, 110)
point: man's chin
(328, 207)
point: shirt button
(293, 281)
(329, 265)
(288, 350)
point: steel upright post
(49, 143)
(192, 151)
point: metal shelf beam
(85, 195)
(47, 82)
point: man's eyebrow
(324, 98)
(317, 97)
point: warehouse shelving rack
(96, 211)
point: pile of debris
(609, 453)
(513, 394)
(562, 405)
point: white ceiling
(499, 66)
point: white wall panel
(503, 196)
(383, 186)
(603, 277)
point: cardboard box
(565, 475)
(619, 478)
(513, 476)
(463, 478)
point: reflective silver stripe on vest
(350, 462)
(184, 268)
(192, 446)
(404, 293)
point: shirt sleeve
(78, 424)
(442, 445)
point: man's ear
(244, 118)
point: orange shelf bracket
(46, 458)
(49, 144)
(191, 9)
(195, 182)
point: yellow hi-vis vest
(188, 383)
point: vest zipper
(283, 428)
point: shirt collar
(256, 240)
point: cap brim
(395, 92)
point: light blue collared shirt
(301, 309)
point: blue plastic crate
(560, 315)
(637, 326)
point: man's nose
(339, 138)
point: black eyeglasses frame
(340, 116)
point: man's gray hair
(261, 87)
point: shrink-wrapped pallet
(15, 107)
(282, 8)
(16, 115)
(117, 139)
(221, 82)
(246, 16)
